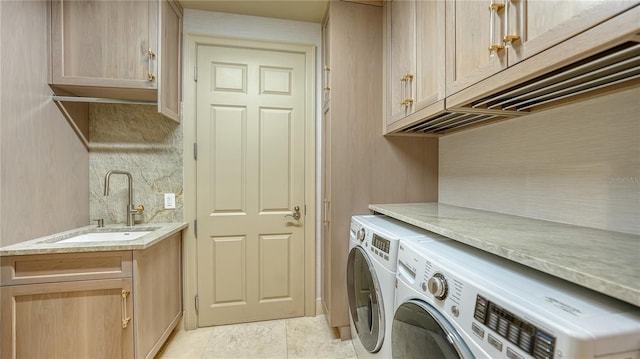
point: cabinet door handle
(325, 204)
(409, 83)
(508, 39)
(493, 13)
(150, 74)
(326, 73)
(125, 319)
(403, 85)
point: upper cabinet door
(104, 43)
(474, 46)
(415, 61)
(485, 37)
(401, 17)
(326, 60)
(430, 53)
(531, 26)
(169, 60)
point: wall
(258, 28)
(43, 175)
(139, 140)
(578, 164)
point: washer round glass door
(365, 300)
(421, 331)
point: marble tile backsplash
(139, 140)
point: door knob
(296, 213)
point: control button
(477, 330)
(494, 342)
(493, 321)
(481, 309)
(514, 332)
(526, 342)
(361, 235)
(503, 327)
(424, 286)
(513, 355)
(386, 257)
(455, 311)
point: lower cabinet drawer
(48, 268)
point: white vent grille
(596, 74)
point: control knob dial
(438, 286)
(360, 235)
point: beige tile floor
(306, 337)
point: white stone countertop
(49, 244)
(604, 261)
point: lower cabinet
(67, 320)
(157, 281)
(121, 304)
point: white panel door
(250, 179)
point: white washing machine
(371, 280)
(455, 301)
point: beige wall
(578, 164)
(43, 176)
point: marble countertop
(604, 261)
(49, 244)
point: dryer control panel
(519, 332)
(382, 244)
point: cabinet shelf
(101, 100)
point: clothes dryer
(455, 301)
(371, 280)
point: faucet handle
(140, 209)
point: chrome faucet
(131, 210)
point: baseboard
(320, 307)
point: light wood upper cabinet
(485, 37)
(117, 49)
(326, 61)
(104, 43)
(472, 29)
(170, 64)
(532, 26)
(401, 17)
(415, 58)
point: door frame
(189, 110)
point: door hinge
(197, 303)
(195, 228)
(195, 73)
(195, 151)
